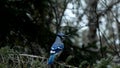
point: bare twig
(65, 6)
(114, 35)
(109, 7)
(55, 12)
(110, 45)
(34, 56)
(65, 65)
(100, 42)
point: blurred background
(28, 29)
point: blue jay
(56, 48)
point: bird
(56, 48)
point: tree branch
(109, 7)
(39, 57)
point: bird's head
(61, 35)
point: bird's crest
(60, 34)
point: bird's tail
(51, 59)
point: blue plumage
(56, 48)
(51, 59)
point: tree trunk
(93, 21)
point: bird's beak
(66, 35)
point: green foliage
(103, 63)
(12, 59)
(68, 58)
(83, 64)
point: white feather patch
(59, 48)
(52, 51)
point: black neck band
(59, 37)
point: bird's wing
(57, 47)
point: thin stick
(34, 56)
